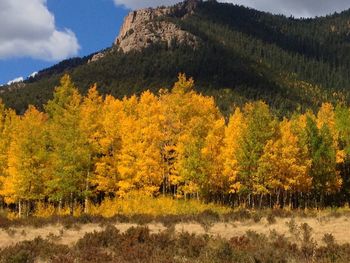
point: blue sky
(95, 23)
(35, 34)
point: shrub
(29, 251)
(138, 245)
(107, 238)
(329, 240)
(257, 217)
(271, 219)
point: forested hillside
(243, 55)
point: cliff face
(142, 28)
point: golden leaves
(175, 142)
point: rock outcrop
(145, 27)
(97, 57)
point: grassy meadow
(145, 229)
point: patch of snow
(33, 74)
(16, 80)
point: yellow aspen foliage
(2, 115)
(342, 120)
(70, 152)
(259, 128)
(233, 137)
(341, 156)
(27, 158)
(216, 181)
(178, 107)
(91, 131)
(106, 167)
(90, 114)
(9, 122)
(150, 166)
(175, 142)
(189, 164)
(3, 145)
(326, 115)
(188, 119)
(323, 153)
(183, 85)
(139, 161)
(283, 165)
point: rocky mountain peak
(142, 28)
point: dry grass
(207, 238)
(337, 226)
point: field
(190, 232)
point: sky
(35, 34)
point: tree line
(84, 149)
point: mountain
(234, 53)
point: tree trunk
(71, 212)
(321, 200)
(316, 204)
(1, 204)
(86, 201)
(86, 205)
(60, 206)
(165, 175)
(284, 199)
(27, 208)
(306, 202)
(20, 208)
(261, 200)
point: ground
(238, 235)
(321, 225)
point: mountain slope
(234, 53)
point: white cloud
(135, 4)
(27, 29)
(297, 8)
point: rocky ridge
(145, 27)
